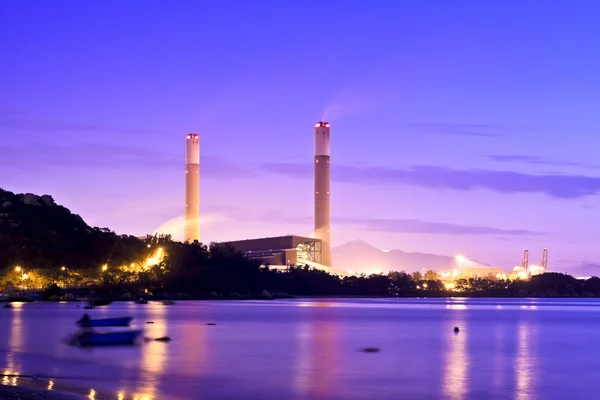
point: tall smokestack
(192, 188)
(322, 201)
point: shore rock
(265, 295)
(236, 296)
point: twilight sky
(458, 127)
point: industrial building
(281, 250)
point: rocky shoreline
(34, 393)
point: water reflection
(456, 363)
(317, 355)
(526, 362)
(15, 341)
(194, 360)
(499, 362)
(154, 354)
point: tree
(431, 275)
(416, 276)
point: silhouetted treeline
(42, 237)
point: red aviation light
(318, 125)
(189, 136)
(326, 124)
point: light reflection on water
(154, 354)
(308, 350)
(457, 362)
(316, 356)
(15, 342)
(525, 369)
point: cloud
(109, 156)
(555, 185)
(30, 123)
(459, 129)
(400, 225)
(538, 161)
(419, 226)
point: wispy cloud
(399, 225)
(425, 227)
(555, 185)
(108, 156)
(31, 123)
(459, 129)
(538, 161)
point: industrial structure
(466, 268)
(192, 188)
(524, 270)
(282, 252)
(322, 191)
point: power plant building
(192, 188)
(281, 250)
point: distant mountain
(359, 256)
(583, 270)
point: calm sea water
(310, 349)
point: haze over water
(310, 349)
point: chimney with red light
(192, 188)
(322, 198)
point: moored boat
(99, 302)
(108, 338)
(87, 322)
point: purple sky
(458, 127)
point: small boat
(141, 301)
(87, 322)
(8, 305)
(99, 302)
(108, 338)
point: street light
(104, 267)
(18, 269)
(63, 268)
